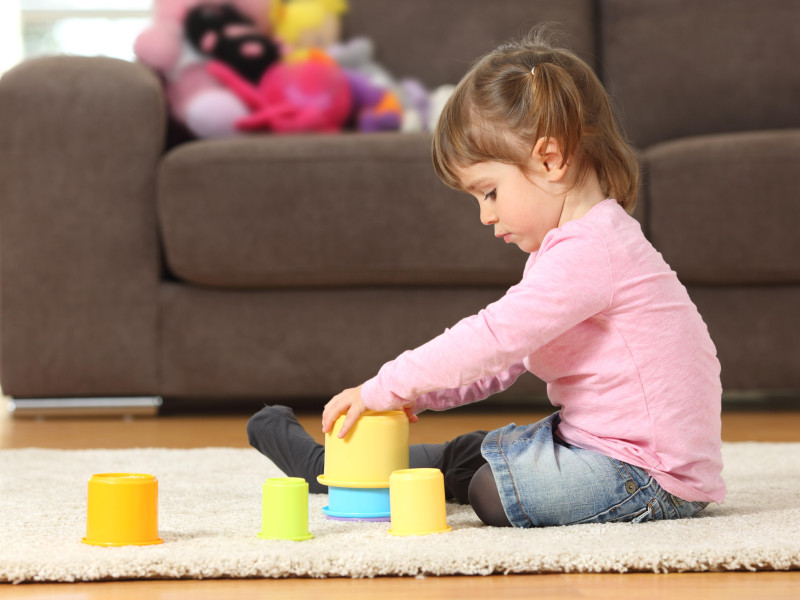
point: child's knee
(254, 424)
(485, 498)
(259, 423)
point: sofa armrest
(80, 140)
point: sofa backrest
(436, 41)
(680, 68)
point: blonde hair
(524, 91)
(291, 19)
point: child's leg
(275, 432)
(542, 481)
(485, 500)
(461, 459)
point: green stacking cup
(284, 509)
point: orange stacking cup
(122, 510)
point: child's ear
(548, 158)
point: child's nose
(488, 216)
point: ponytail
(556, 107)
(534, 90)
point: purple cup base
(369, 519)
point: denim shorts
(544, 481)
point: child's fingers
(412, 418)
(326, 426)
(409, 410)
(330, 414)
(329, 420)
(347, 403)
(352, 416)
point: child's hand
(349, 402)
(409, 409)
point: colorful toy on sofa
(304, 26)
(223, 33)
(358, 466)
(196, 99)
(249, 36)
(312, 94)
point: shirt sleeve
(472, 392)
(567, 282)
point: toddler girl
(598, 315)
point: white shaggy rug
(210, 514)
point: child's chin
(527, 248)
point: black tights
(485, 499)
(275, 432)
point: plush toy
(303, 95)
(303, 25)
(308, 25)
(196, 99)
(419, 108)
(221, 32)
(374, 108)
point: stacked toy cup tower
(358, 466)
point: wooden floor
(187, 431)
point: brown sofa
(274, 268)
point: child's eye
(491, 195)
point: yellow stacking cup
(416, 497)
(284, 509)
(122, 510)
(375, 446)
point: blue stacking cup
(358, 503)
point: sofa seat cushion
(322, 210)
(718, 206)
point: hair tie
(533, 70)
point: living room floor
(778, 422)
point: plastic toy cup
(417, 502)
(122, 510)
(376, 446)
(358, 504)
(284, 509)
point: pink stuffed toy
(198, 100)
(311, 94)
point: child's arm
(350, 401)
(569, 282)
(472, 392)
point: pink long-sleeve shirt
(603, 320)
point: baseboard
(84, 407)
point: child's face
(518, 205)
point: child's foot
(275, 432)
